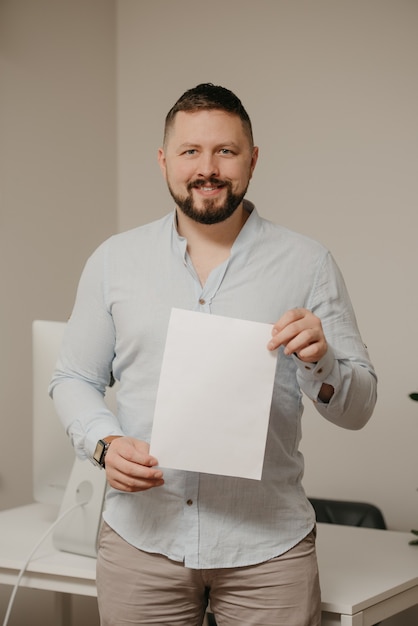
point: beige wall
(58, 201)
(331, 88)
(58, 186)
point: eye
(190, 152)
(226, 151)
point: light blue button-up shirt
(119, 324)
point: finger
(132, 450)
(301, 340)
(128, 484)
(287, 334)
(134, 470)
(287, 327)
(141, 453)
(311, 352)
(134, 478)
(299, 336)
(291, 316)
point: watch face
(99, 452)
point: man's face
(207, 162)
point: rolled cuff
(311, 376)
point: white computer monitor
(59, 478)
(53, 454)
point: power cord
(28, 560)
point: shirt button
(189, 502)
(319, 371)
(202, 301)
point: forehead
(201, 127)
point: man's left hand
(300, 332)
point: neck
(210, 245)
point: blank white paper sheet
(214, 395)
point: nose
(208, 165)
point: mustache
(207, 182)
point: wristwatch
(100, 453)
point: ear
(254, 159)
(162, 162)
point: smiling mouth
(207, 186)
(210, 188)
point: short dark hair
(207, 96)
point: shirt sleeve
(84, 366)
(346, 366)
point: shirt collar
(246, 235)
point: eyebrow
(228, 144)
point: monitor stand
(78, 531)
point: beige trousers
(135, 587)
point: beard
(211, 213)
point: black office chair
(348, 513)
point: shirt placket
(205, 294)
(192, 550)
(191, 520)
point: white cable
(28, 560)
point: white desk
(366, 575)
(64, 573)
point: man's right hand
(129, 466)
